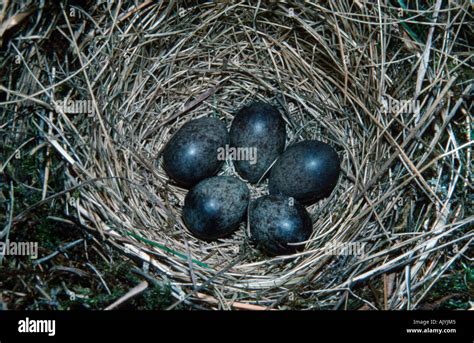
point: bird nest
(356, 75)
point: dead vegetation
(340, 72)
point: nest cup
(171, 63)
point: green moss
(459, 283)
(120, 279)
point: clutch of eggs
(215, 206)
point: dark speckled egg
(191, 155)
(215, 207)
(307, 171)
(260, 128)
(275, 221)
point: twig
(142, 286)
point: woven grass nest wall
(335, 69)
